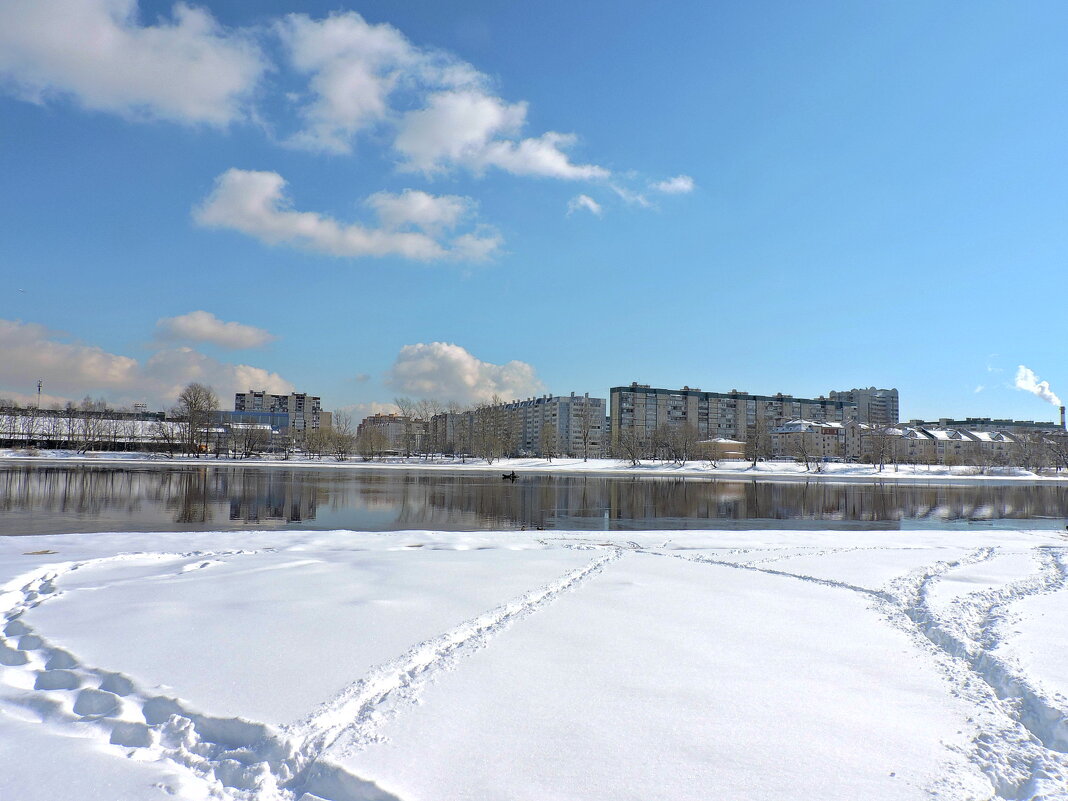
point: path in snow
(236, 758)
(1019, 739)
(1021, 743)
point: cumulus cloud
(584, 202)
(72, 370)
(358, 411)
(353, 68)
(437, 107)
(1028, 382)
(449, 372)
(202, 326)
(255, 203)
(474, 129)
(431, 213)
(679, 185)
(187, 68)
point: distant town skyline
(460, 201)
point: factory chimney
(1062, 419)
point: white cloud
(482, 245)
(449, 372)
(354, 68)
(72, 370)
(1028, 382)
(358, 411)
(254, 203)
(202, 326)
(431, 213)
(679, 185)
(187, 68)
(436, 109)
(436, 106)
(630, 196)
(473, 129)
(580, 202)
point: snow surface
(772, 470)
(295, 666)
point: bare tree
(10, 421)
(547, 441)
(586, 422)
(425, 411)
(484, 435)
(758, 442)
(29, 429)
(1030, 452)
(805, 451)
(371, 442)
(882, 442)
(248, 439)
(1057, 450)
(168, 436)
(196, 405)
(632, 446)
(317, 441)
(343, 437)
(465, 431)
(682, 443)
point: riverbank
(259, 666)
(837, 472)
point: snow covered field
(772, 470)
(422, 665)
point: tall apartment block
(568, 417)
(576, 424)
(642, 409)
(876, 406)
(305, 411)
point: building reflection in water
(44, 498)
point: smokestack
(1062, 419)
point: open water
(48, 499)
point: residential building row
(640, 410)
(572, 425)
(921, 444)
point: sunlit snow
(294, 666)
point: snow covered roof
(991, 436)
(913, 433)
(947, 434)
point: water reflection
(43, 498)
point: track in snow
(233, 758)
(1021, 735)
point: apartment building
(305, 411)
(876, 406)
(574, 424)
(400, 434)
(815, 440)
(641, 410)
(567, 424)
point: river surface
(56, 499)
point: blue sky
(364, 201)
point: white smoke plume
(1028, 382)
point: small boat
(509, 476)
